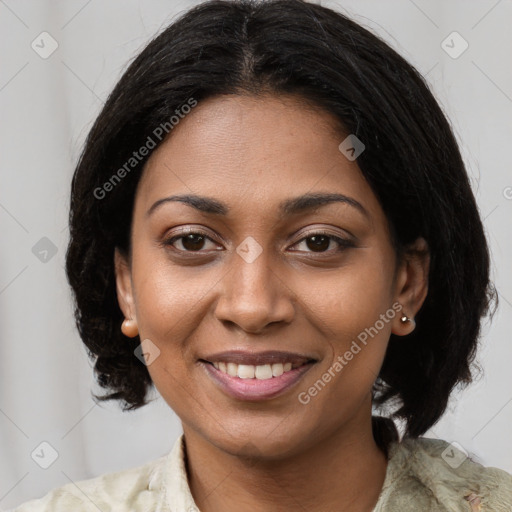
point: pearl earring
(129, 328)
(404, 319)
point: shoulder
(138, 489)
(431, 474)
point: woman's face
(261, 286)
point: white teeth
(249, 371)
(246, 371)
(263, 372)
(232, 369)
(277, 369)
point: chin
(261, 442)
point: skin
(251, 154)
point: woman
(271, 222)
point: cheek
(169, 298)
(169, 309)
(349, 299)
(352, 309)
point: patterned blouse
(423, 475)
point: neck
(344, 471)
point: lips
(256, 376)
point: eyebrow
(287, 207)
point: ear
(411, 285)
(124, 285)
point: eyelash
(342, 242)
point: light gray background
(48, 106)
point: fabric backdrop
(50, 93)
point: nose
(253, 296)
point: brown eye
(189, 242)
(319, 243)
(193, 242)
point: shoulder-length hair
(411, 161)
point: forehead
(244, 149)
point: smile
(253, 377)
